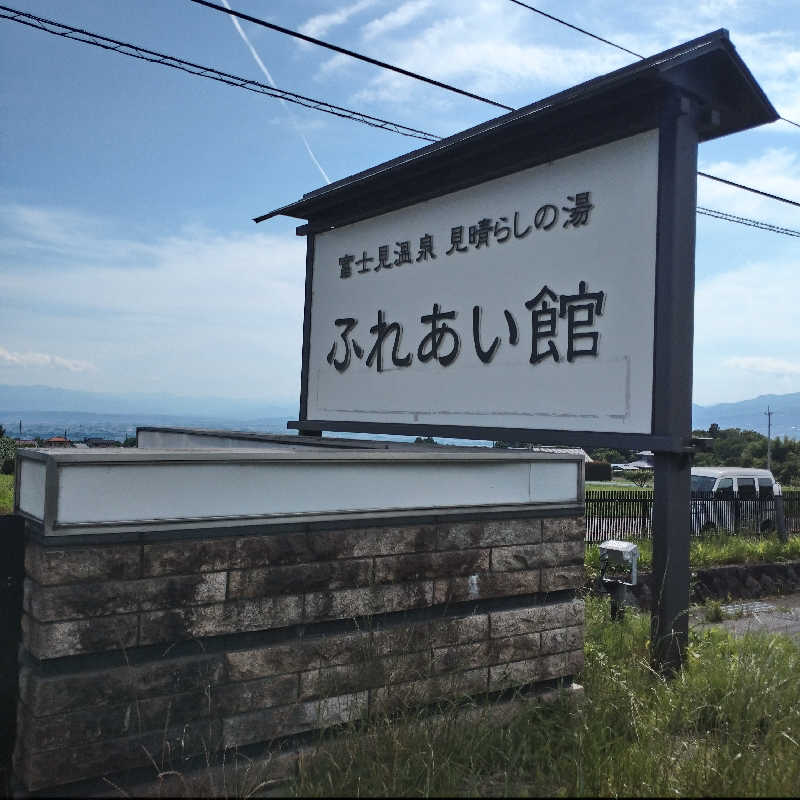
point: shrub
(8, 455)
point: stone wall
(730, 582)
(140, 651)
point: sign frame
(697, 91)
(660, 441)
(708, 82)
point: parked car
(732, 498)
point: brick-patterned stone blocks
(229, 641)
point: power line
(750, 189)
(344, 51)
(127, 49)
(576, 28)
(753, 223)
(124, 48)
(601, 39)
(440, 85)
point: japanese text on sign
(479, 235)
(441, 341)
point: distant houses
(64, 441)
(57, 441)
(644, 461)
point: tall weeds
(728, 724)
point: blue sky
(128, 257)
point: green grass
(6, 494)
(617, 486)
(728, 724)
(713, 611)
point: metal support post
(671, 523)
(672, 403)
(618, 596)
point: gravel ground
(779, 614)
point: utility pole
(769, 414)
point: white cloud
(482, 47)
(764, 364)
(716, 8)
(43, 360)
(39, 233)
(209, 314)
(492, 65)
(755, 304)
(334, 64)
(745, 332)
(320, 24)
(402, 15)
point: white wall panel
(614, 253)
(32, 487)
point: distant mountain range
(751, 414)
(16, 401)
(24, 399)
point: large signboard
(523, 302)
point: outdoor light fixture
(623, 554)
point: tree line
(733, 447)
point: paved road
(770, 614)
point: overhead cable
(440, 85)
(753, 223)
(750, 189)
(344, 51)
(134, 51)
(576, 28)
(106, 43)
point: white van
(733, 497)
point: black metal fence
(629, 514)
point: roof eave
(708, 67)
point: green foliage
(713, 611)
(733, 447)
(640, 477)
(130, 441)
(612, 456)
(726, 725)
(8, 454)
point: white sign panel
(523, 302)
